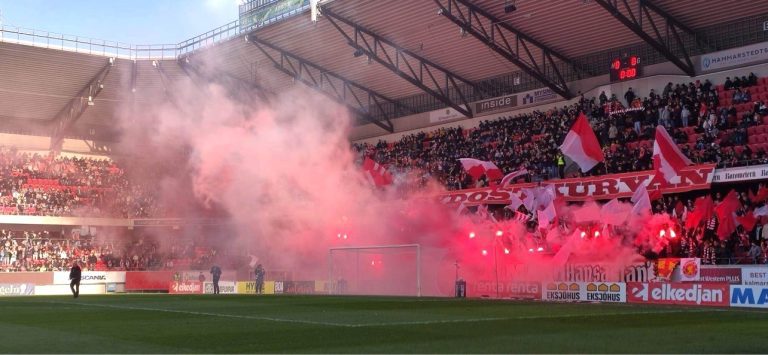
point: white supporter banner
(90, 277)
(753, 53)
(754, 276)
(743, 173)
(612, 292)
(446, 114)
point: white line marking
(385, 324)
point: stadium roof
(37, 83)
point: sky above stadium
(127, 21)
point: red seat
(752, 139)
(753, 130)
(738, 149)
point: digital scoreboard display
(626, 68)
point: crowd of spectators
(701, 117)
(31, 250)
(35, 184)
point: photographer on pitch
(216, 274)
(75, 274)
(259, 272)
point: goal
(387, 270)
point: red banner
(690, 294)
(730, 275)
(147, 280)
(185, 287)
(602, 187)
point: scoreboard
(626, 68)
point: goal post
(391, 270)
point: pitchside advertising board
(688, 294)
(185, 287)
(610, 292)
(517, 290)
(17, 289)
(754, 276)
(224, 287)
(90, 277)
(749, 296)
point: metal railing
(216, 35)
(86, 45)
(263, 13)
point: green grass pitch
(324, 324)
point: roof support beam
(367, 103)
(238, 88)
(77, 105)
(433, 79)
(640, 21)
(510, 43)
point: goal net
(390, 270)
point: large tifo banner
(602, 187)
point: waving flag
(376, 173)
(476, 168)
(513, 175)
(641, 200)
(668, 160)
(581, 145)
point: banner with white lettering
(26, 289)
(602, 187)
(689, 294)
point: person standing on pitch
(259, 279)
(75, 274)
(216, 273)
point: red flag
(377, 174)
(703, 110)
(762, 195)
(702, 211)
(725, 211)
(476, 169)
(581, 145)
(668, 160)
(748, 221)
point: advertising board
(612, 292)
(17, 289)
(185, 287)
(749, 296)
(690, 294)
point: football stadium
(391, 176)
